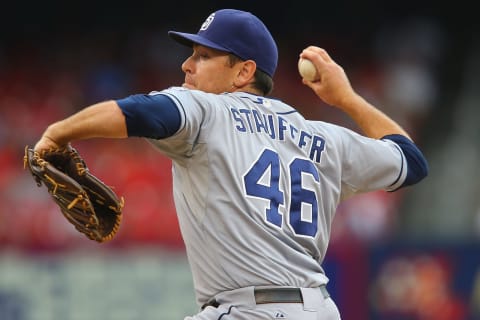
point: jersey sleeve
(370, 164)
(152, 115)
(196, 111)
(417, 166)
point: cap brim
(188, 39)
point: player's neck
(247, 89)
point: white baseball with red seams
(307, 69)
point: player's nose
(187, 65)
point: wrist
(353, 104)
(55, 134)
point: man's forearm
(373, 122)
(101, 120)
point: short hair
(263, 82)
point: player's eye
(200, 55)
(204, 55)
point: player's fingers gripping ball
(307, 69)
(85, 201)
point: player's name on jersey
(278, 127)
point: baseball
(307, 70)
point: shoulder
(181, 91)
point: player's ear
(246, 73)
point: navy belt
(274, 295)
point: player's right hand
(333, 86)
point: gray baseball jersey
(256, 187)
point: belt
(274, 295)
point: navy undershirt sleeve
(417, 165)
(150, 116)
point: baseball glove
(85, 201)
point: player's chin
(188, 86)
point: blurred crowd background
(412, 254)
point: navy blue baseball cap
(238, 32)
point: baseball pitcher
(255, 184)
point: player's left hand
(46, 143)
(86, 202)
